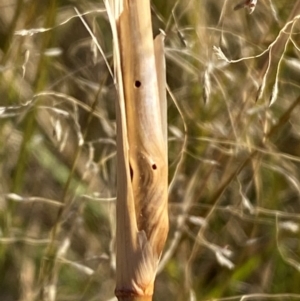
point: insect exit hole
(137, 84)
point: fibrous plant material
(142, 217)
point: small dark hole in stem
(154, 166)
(137, 84)
(131, 172)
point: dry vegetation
(234, 150)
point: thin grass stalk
(50, 266)
(142, 216)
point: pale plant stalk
(142, 216)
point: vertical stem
(142, 215)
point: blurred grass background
(234, 159)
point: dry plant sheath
(142, 217)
